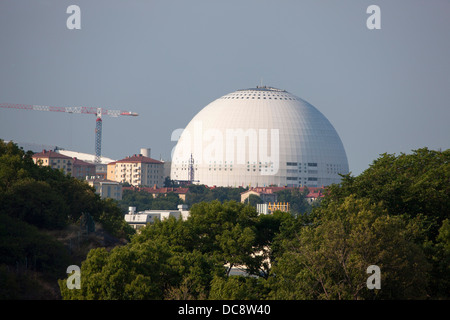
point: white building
(106, 188)
(140, 219)
(260, 137)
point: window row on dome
(270, 98)
(294, 164)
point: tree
(297, 200)
(36, 203)
(415, 186)
(143, 200)
(253, 200)
(173, 258)
(209, 220)
(168, 183)
(412, 184)
(237, 247)
(328, 259)
(38, 208)
(237, 288)
(201, 193)
(126, 272)
(142, 270)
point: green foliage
(381, 217)
(440, 257)
(412, 184)
(112, 219)
(253, 200)
(394, 215)
(140, 270)
(328, 258)
(201, 193)
(143, 200)
(174, 258)
(24, 245)
(236, 288)
(48, 198)
(36, 202)
(210, 220)
(28, 257)
(415, 186)
(297, 200)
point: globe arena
(259, 137)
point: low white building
(140, 219)
(106, 188)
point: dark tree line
(37, 202)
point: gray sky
(383, 90)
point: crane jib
(99, 112)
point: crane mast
(98, 112)
(98, 136)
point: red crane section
(99, 112)
(86, 110)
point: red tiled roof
(159, 190)
(77, 162)
(138, 159)
(103, 180)
(50, 154)
(313, 191)
(315, 195)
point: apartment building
(137, 170)
(54, 160)
(82, 169)
(106, 188)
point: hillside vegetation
(394, 215)
(41, 230)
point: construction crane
(99, 112)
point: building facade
(82, 169)
(157, 192)
(266, 195)
(138, 220)
(106, 188)
(54, 160)
(137, 170)
(269, 194)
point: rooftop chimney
(146, 152)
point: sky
(384, 90)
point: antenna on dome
(191, 170)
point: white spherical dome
(259, 137)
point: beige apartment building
(106, 188)
(54, 160)
(137, 170)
